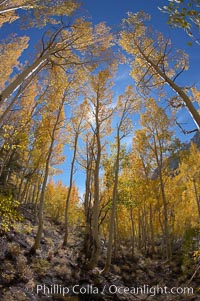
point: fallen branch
(195, 272)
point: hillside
(55, 268)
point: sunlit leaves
(150, 48)
(41, 12)
(185, 15)
(10, 52)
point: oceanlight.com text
(113, 289)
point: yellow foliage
(10, 51)
(56, 195)
(8, 212)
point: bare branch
(184, 131)
(179, 73)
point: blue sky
(112, 12)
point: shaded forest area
(137, 222)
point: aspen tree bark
(20, 186)
(14, 8)
(21, 89)
(158, 136)
(132, 231)
(100, 98)
(23, 195)
(166, 224)
(140, 242)
(87, 198)
(95, 211)
(29, 73)
(114, 204)
(145, 229)
(87, 209)
(143, 232)
(38, 193)
(36, 244)
(70, 189)
(194, 113)
(155, 52)
(41, 204)
(151, 229)
(165, 205)
(115, 238)
(197, 197)
(34, 194)
(5, 172)
(76, 131)
(6, 160)
(26, 196)
(39, 63)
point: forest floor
(56, 273)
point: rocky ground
(56, 273)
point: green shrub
(40, 266)
(8, 212)
(190, 248)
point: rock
(126, 277)
(151, 274)
(116, 269)
(139, 272)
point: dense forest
(132, 230)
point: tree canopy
(99, 108)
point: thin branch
(184, 131)
(179, 73)
(197, 268)
(13, 8)
(3, 2)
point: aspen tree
(157, 137)
(74, 128)
(127, 105)
(77, 44)
(99, 97)
(154, 63)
